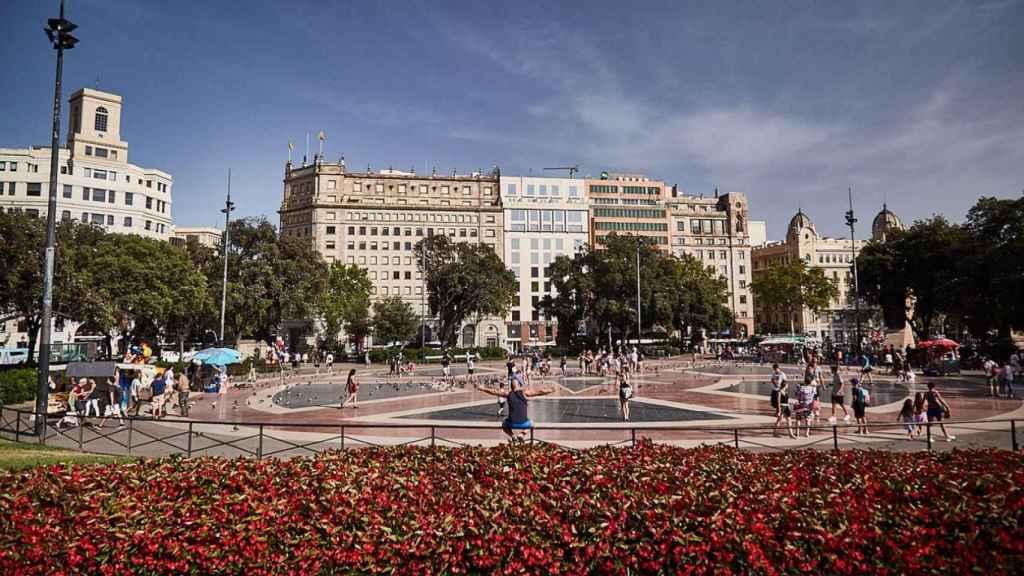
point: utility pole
(639, 328)
(58, 30)
(850, 221)
(228, 207)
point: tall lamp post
(850, 221)
(58, 30)
(639, 329)
(229, 206)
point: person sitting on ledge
(518, 420)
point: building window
(149, 225)
(99, 195)
(88, 150)
(34, 189)
(101, 119)
(67, 190)
(110, 220)
(111, 196)
(65, 215)
(149, 203)
(128, 198)
(127, 221)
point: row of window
(547, 220)
(420, 217)
(111, 175)
(628, 213)
(419, 232)
(100, 152)
(396, 290)
(94, 218)
(702, 226)
(4, 166)
(543, 190)
(546, 244)
(656, 239)
(632, 226)
(835, 258)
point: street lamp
(58, 30)
(639, 329)
(850, 221)
(229, 206)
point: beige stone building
(834, 256)
(628, 205)
(717, 232)
(96, 183)
(208, 236)
(374, 219)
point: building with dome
(834, 256)
(884, 224)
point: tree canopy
(463, 280)
(784, 289)
(346, 302)
(394, 320)
(971, 274)
(596, 292)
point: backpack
(158, 386)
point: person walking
(518, 423)
(906, 416)
(470, 366)
(625, 392)
(330, 363)
(352, 387)
(938, 409)
(92, 402)
(1007, 379)
(920, 416)
(861, 399)
(114, 406)
(780, 401)
(838, 395)
(865, 367)
(183, 390)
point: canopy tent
(90, 369)
(217, 356)
(939, 343)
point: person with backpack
(861, 399)
(838, 395)
(159, 387)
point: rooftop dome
(799, 222)
(884, 223)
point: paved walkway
(675, 403)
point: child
(919, 412)
(907, 417)
(861, 399)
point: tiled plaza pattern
(674, 402)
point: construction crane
(572, 169)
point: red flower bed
(522, 510)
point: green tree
(785, 289)
(346, 303)
(597, 289)
(991, 288)
(923, 265)
(394, 320)
(463, 280)
(75, 294)
(270, 279)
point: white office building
(544, 218)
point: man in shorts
(780, 401)
(838, 395)
(518, 424)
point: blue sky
(919, 103)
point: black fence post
(1013, 433)
(189, 440)
(929, 436)
(81, 430)
(632, 432)
(17, 425)
(41, 426)
(835, 438)
(343, 438)
(736, 437)
(131, 427)
(259, 447)
(531, 434)
(432, 436)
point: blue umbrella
(219, 356)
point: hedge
(18, 385)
